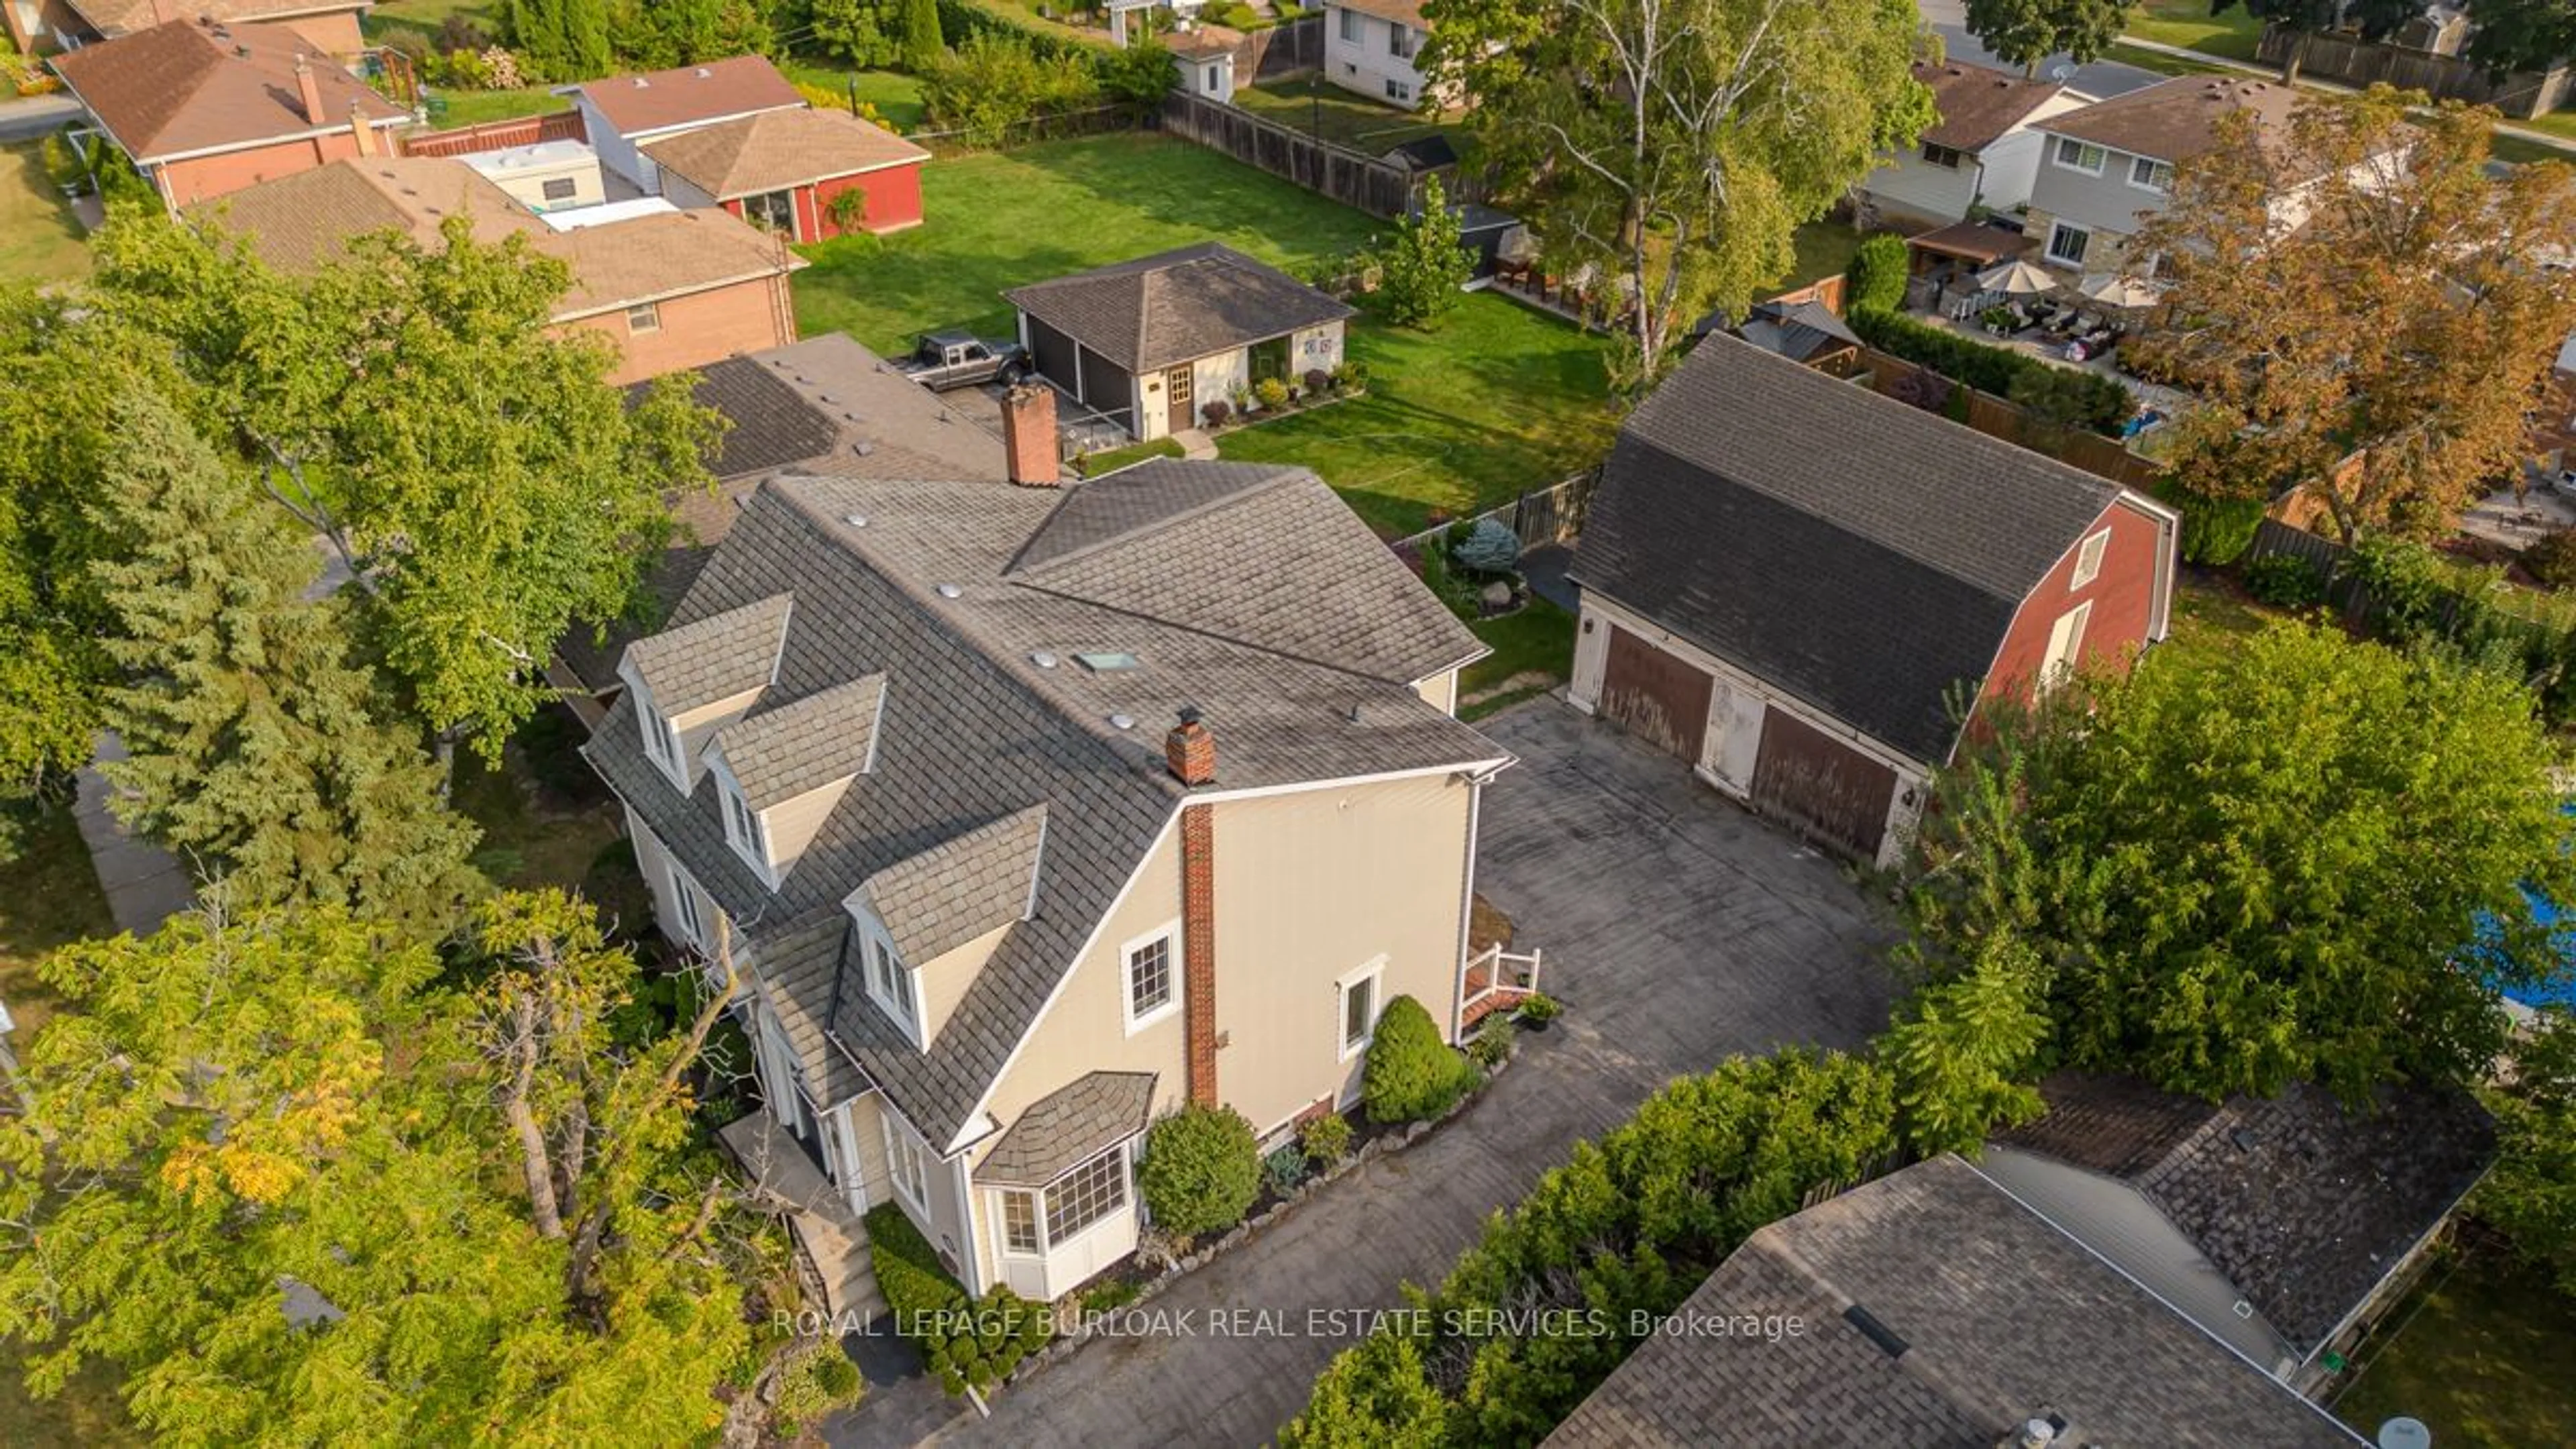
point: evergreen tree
(923, 46)
(255, 745)
(1426, 264)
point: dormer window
(890, 985)
(742, 827)
(661, 741)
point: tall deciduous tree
(2238, 877)
(2026, 32)
(2530, 35)
(268, 1170)
(2404, 307)
(1676, 145)
(1965, 1050)
(2532, 1192)
(2375, 19)
(415, 408)
(253, 744)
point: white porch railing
(1493, 979)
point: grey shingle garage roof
(1176, 306)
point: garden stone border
(1068, 1341)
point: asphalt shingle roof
(658, 100)
(776, 150)
(779, 754)
(975, 729)
(1176, 306)
(1977, 105)
(714, 657)
(1068, 1127)
(936, 901)
(1997, 1318)
(188, 86)
(1858, 553)
(2304, 1206)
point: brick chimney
(360, 131)
(1028, 435)
(1190, 750)
(309, 91)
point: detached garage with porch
(1149, 344)
(1806, 590)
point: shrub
(965, 1342)
(1216, 411)
(1411, 1073)
(1202, 1170)
(62, 164)
(2552, 560)
(1108, 1295)
(2098, 402)
(1271, 393)
(1539, 1008)
(1317, 380)
(1325, 1139)
(1921, 387)
(2285, 581)
(1493, 1041)
(2215, 531)
(1490, 548)
(1875, 280)
(847, 209)
(1284, 1168)
(1423, 268)
(818, 1380)
(1351, 376)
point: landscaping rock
(1496, 596)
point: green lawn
(1498, 400)
(2160, 62)
(2232, 34)
(424, 15)
(897, 97)
(1110, 460)
(1533, 653)
(473, 108)
(998, 220)
(2480, 1353)
(1824, 250)
(39, 240)
(547, 820)
(1315, 106)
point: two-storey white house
(1981, 152)
(2109, 166)
(1374, 47)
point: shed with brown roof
(205, 108)
(788, 170)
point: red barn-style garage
(1809, 591)
(795, 172)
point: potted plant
(1536, 1010)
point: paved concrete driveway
(1677, 929)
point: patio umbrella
(2016, 279)
(2112, 290)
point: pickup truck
(944, 360)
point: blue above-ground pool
(2562, 934)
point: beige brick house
(1038, 812)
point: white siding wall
(615, 152)
(1366, 65)
(1313, 348)
(1914, 187)
(1216, 378)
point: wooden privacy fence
(1281, 50)
(1377, 187)
(2002, 418)
(2444, 77)
(2350, 596)
(1541, 516)
(497, 135)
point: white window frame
(1934, 154)
(2153, 167)
(743, 828)
(1351, 30)
(643, 319)
(2088, 559)
(684, 895)
(906, 1148)
(1169, 934)
(2057, 155)
(1374, 974)
(1041, 1201)
(2060, 228)
(1400, 43)
(1397, 90)
(891, 984)
(2065, 646)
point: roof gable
(186, 85)
(662, 99)
(2177, 119)
(774, 150)
(719, 657)
(1068, 1127)
(938, 900)
(1176, 306)
(777, 755)
(1978, 106)
(1862, 555)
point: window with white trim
(661, 741)
(559, 188)
(1152, 978)
(1401, 40)
(890, 984)
(684, 900)
(2081, 156)
(2088, 559)
(2068, 244)
(2148, 172)
(742, 827)
(1397, 90)
(1355, 1013)
(1020, 1221)
(2065, 645)
(1036, 1220)
(643, 317)
(1945, 157)
(908, 1163)
(1351, 25)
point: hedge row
(1627, 1229)
(964, 1341)
(1993, 370)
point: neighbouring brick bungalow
(1031, 812)
(205, 108)
(1796, 584)
(1931, 1309)
(787, 170)
(625, 113)
(329, 27)
(672, 289)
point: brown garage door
(1658, 696)
(1831, 792)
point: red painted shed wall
(2123, 596)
